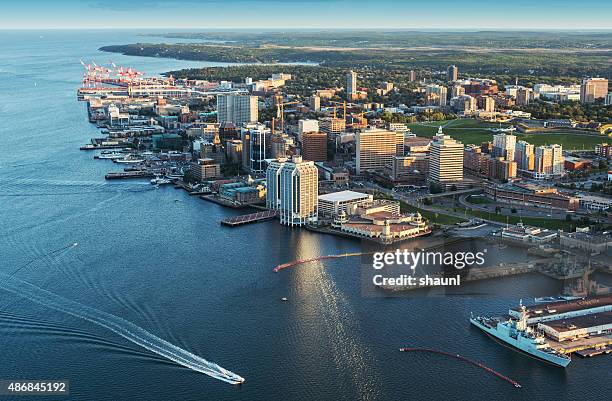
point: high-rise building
(292, 189)
(436, 95)
(273, 171)
(237, 108)
(452, 73)
(524, 155)
(523, 95)
(307, 126)
(504, 145)
(486, 103)
(446, 159)
(549, 161)
(412, 76)
(502, 169)
(333, 126)
(314, 146)
(351, 85)
(465, 104)
(377, 147)
(593, 89)
(254, 146)
(457, 90)
(608, 100)
(558, 161)
(314, 102)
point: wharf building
(382, 222)
(565, 310)
(292, 189)
(205, 169)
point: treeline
(569, 110)
(512, 63)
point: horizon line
(267, 28)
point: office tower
(452, 73)
(504, 145)
(377, 147)
(292, 189)
(524, 156)
(351, 85)
(436, 95)
(237, 108)
(593, 89)
(412, 76)
(446, 159)
(314, 146)
(254, 147)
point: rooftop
(568, 306)
(343, 196)
(581, 322)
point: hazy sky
(409, 14)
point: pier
(129, 174)
(249, 218)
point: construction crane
(280, 112)
(343, 108)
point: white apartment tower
(446, 159)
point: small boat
(160, 181)
(284, 299)
(129, 159)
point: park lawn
(478, 200)
(439, 218)
(478, 135)
(551, 224)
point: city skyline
(310, 14)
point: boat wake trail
(120, 326)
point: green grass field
(471, 131)
(439, 218)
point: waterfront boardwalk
(249, 218)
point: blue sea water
(159, 259)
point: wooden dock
(249, 218)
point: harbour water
(160, 260)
